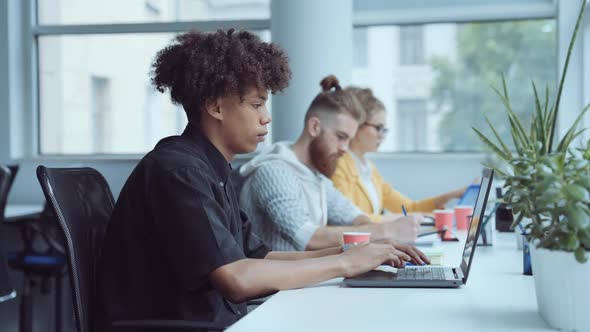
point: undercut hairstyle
(199, 67)
(334, 100)
(367, 100)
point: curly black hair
(200, 67)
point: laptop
(434, 276)
(470, 195)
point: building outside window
(438, 78)
(411, 45)
(95, 94)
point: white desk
(496, 297)
(17, 211)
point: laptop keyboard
(421, 273)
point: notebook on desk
(433, 276)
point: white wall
(4, 85)
(572, 98)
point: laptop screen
(470, 195)
(475, 225)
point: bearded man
(288, 192)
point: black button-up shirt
(176, 220)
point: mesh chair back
(82, 203)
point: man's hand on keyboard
(417, 256)
(365, 257)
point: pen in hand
(405, 212)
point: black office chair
(82, 202)
(7, 291)
(44, 264)
(5, 184)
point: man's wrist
(377, 231)
(335, 250)
(361, 219)
(459, 192)
(342, 263)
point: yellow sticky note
(436, 256)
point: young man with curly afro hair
(177, 245)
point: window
(95, 94)
(101, 111)
(115, 106)
(411, 45)
(411, 130)
(359, 55)
(153, 6)
(58, 12)
(451, 90)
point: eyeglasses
(381, 130)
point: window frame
(31, 31)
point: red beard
(321, 158)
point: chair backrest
(6, 288)
(6, 179)
(13, 171)
(82, 203)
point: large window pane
(359, 52)
(411, 45)
(96, 96)
(141, 11)
(411, 115)
(440, 86)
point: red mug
(442, 219)
(463, 216)
(351, 239)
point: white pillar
(586, 64)
(4, 86)
(572, 97)
(381, 58)
(14, 82)
(317, 36)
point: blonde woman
(358, 178)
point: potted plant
(548, 182)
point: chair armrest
(170, 324)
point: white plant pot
(563, 289)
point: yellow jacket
(346, 178)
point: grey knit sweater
(287, 201)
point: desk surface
(17, 211)
(496, 297)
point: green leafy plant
(546, 183)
